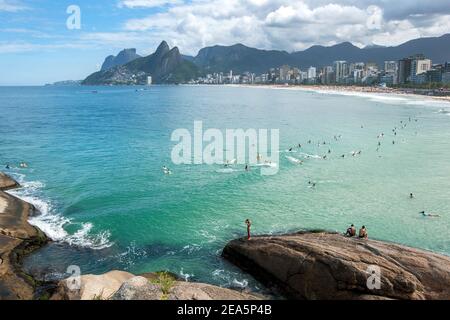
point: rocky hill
(124, 56)
(164, 66)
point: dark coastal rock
(325, 265)
(17, 239)
(7, 183)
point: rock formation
(119, 285)
(321, 265)
(17, 239)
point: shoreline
(18, 239)
(349, 90)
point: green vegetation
(165, 281)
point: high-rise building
(341, 70)
(284, 72)
(404, 70)
(312, 73)
(419, 66)
(390, 67)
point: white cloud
(11, 6)
(147, 3)
(276, 24)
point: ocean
(95, 155)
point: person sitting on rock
(363, 233)
(351, 231)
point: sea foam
(54, 224)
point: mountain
(240, 58)
(122, 58)
(165, 65)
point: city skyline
(34, 34)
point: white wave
(84, 238)
(52, 223)
(294, 160)
(185, 276)
(191, 248)
(227, 170)
(308, 156)
(240, 284)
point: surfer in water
(411, 195)
(432, 215)
(249, 225)
(7, 166)
(247, 168)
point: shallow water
(95, 173)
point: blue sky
(36, 47)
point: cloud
(11, 6)
(292, 25)
(147, 3)
(270, 24)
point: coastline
(408, 273)
(18, 239)
(350, 90)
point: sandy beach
(351, 90)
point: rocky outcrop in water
(7, 183)
(119, 285)
(322, 265)
(17, 239)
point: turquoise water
(95, 173)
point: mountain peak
(163, 48)
(123, 57)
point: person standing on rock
(249, 225)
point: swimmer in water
(429, 214)
(247, 168)
(299, 145)
(7, 166)
(290, 149)
(411, 195)
(393, 142)
(329, 151)
(343, 156)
